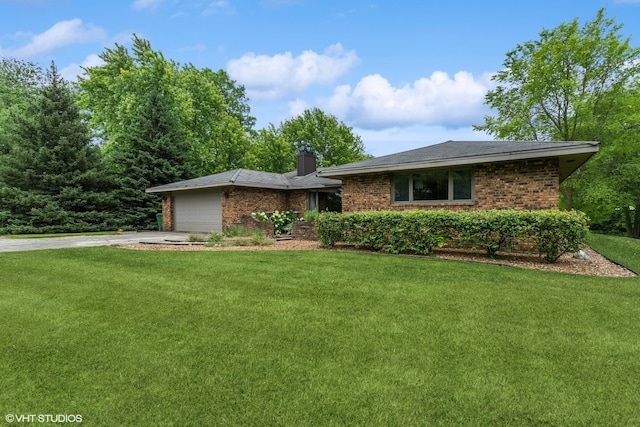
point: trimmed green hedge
(551, 233)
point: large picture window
(434, 186)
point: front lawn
(623, 250)
(324, 338)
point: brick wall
(527, 184)
(167, 212)
(366, 192)
(304, 230)
(238, 202)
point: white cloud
(63, 33)
(281, 75)
(297, 107)
(71, 72)
(146, 4)
(437, 100)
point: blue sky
(402, 73)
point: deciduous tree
(563, 86)
(333, 140)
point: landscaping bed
(596, 265)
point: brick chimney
(306, 159)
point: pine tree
(53, 177)
(152, 152)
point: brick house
(216, 202)
(462, 175)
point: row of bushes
(550, 233)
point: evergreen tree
(151, 152)
(52, 178)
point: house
(452, 175)
(462, 175)
(215, 202)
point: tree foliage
(566, 86)
(270, 152)
(333, 141)
(19, 81)
(151, 153)
(52, 178)
(563, 86)
(611, 194)
(210, 110)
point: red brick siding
(527, 184)
(167, 212)
(242, 201)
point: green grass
(321, 338)
(623, 250)
(42, 236)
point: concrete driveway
(14, 245)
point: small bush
(282, 221)
(310, 215)
(557, 233)
(259, 239)
(198, 238)
(234, 231)
(215, 237)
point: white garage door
(198, 210)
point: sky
(402, 74)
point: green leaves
(561, 86)
(334, 141)
(552, 233)
(210, 112)
(52, 177)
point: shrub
(198, 238)
(215, 237)
(259, 239)
(329, 228)
(282, 221)
(557, 233)
(234, 231)
(553, 233)
(310, 215)
(492, 230)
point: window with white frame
(433, 186)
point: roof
(460, 153)
(251, 178)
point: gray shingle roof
(251, 178)
(458, 153)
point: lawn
(133, 338)
(622, 249)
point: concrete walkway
(14, 245)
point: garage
(198, 211)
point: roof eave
(163, 189)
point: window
(431, 186)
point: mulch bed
(595, 265)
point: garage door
(198, 210)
